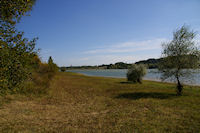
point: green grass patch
(78, 103)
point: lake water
(152, 74)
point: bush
(135, 73)
(40, 80)
(63, 69)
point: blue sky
(94, 32)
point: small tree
(50, 60)
(135, 73)
(179, 56)
(52, 66)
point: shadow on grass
(139, 95)
(127, 82)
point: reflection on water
(152, 74)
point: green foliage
(118, 65)
(179, 56)
(16, 55)
(11, 11)
(20, 66)
(63, 69)
(16, 52)
(38, 83)
(41, 78)
(135, 73)
(150, 63)
(50, 60)
(52, 67)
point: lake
(152, 74)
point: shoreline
(146, 79)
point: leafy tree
(136, 72)
(180, 56)
(11, 11)
(16, 52)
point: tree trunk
(179, 88)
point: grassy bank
(78, 103)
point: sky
(95, 32)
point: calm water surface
(152, 74)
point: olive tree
(135, 73)
(180, 56)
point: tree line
(150, 64)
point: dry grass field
(77, 103)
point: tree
(16, 52)
(50, 60)
(11, 11)
(52, 66)
(180, 56)
(136, 72)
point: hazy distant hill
(150, 63)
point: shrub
(62, 69)
(135, 73)
(40, 80)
